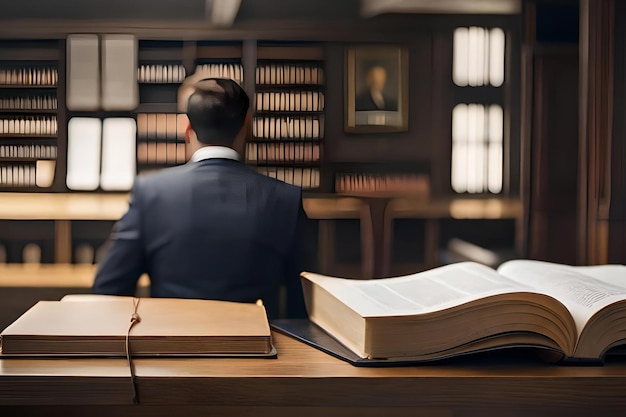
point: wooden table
(306, 382)
(375, 213)
(63, 208)
(329, 208)
(434, 211)
(22, 285)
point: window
(478, 121)
(477, 148)
(478, 57)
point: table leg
(63, 241)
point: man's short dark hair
(217, 110)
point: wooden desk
(306, 382)
(432, 211)
(375, 213)
(327, 209)
(95, 206)
(51, 276)
(22, 285)
(63, 208)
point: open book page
(425, 292)
(583, 290)
(611, 274)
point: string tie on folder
(134, 319)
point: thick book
(176, 327)
(579, 312)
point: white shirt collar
(210, 152)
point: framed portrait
(376, 93)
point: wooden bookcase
(160, 72)
(30, 117)
(288, 124)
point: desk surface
(456, 208)
(305, 377)
(51, 275)
(98, 206)
(62, 206)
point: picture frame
(376, 89)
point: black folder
(310, 333)
(313, 335)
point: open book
(96, 325)
(467, 307)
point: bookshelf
(29, 105)
(288, 124)
(381, 179)
(160, 129)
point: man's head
(218, 112)
(376, 78)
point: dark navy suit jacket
(213, 229)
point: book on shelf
(161, 153)
(161, 74)
(29, 125)
(40, 76)
(98, 326)
(28, 151)
(20, 165)
(298, 101)
(44, 173)
(45, 102)
(283, 152)
(289, 74)
(577, 312)
(288, 127)
(307, 178)
(161, 126)
(374, 183)
(18, 175)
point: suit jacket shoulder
(176, 184)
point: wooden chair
(328, 210)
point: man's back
(210, 229)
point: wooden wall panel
(602, 208)
(382, 147)
(616, 226)
(554, 155)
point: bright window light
(478, 56)
(477, 148)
